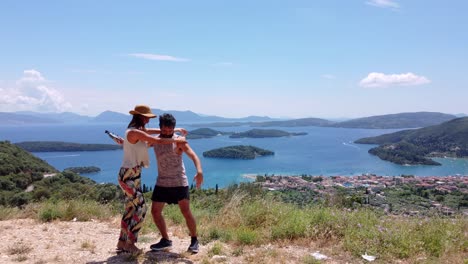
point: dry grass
(19, 249)
(88, 245)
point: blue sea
(323, 151)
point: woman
(135, 157)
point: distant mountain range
(391, 121)
(183, 117)
(416, 146)
(402, 120)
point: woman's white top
(135, 154)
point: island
(237, 152)
(418, 146)
(53, 146)
(263, 133)
(83, 170)
(205, 133)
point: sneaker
(162, 245)
(193, 248)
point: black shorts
(170, 195)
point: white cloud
(384, 3)
(31, 93)
(377, 79)
(157, 57)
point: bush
(49, 213)
(246, 236)
(41, 193)
(20, 199)
(106, 192)
(7, 184)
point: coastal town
(383, 191)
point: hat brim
(133, 112)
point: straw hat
(143, 110)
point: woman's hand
(182, 131)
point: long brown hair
(137, 122)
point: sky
(282, 59)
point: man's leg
(184, 206)
(156, 211)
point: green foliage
(82, 210)
(172, 213)
(246, 236)
(22, 170)
(14, 160)
(19, 199)
(403, 153)
(50, 213)
(246, 215)
(250, 216)
(290, 224)
(216, 249)
(237, 152)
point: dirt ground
(93, 242)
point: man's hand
(198, 179)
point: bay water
(323, 151)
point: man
(172, 184)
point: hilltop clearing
(94, 242)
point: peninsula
(263, 133)
(417, 146)
(53, 146)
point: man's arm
(196, 161)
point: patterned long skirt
(135, 207)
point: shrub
(20, 199)
(246, 236)
(41, 194)
(49, 213)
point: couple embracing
(171, 183)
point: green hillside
(15, 160)
(414, 146)
(395, 121)
(25, 178)
(263, 133)
(51, 146)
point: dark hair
(167, 120)
(137, 122)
